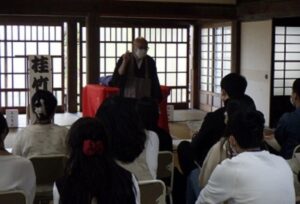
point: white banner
(40, 77)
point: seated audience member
(148, 111)
(233, 86)
(222, 150)
(43, 137)
(191, 155)
(17, 173)
(219, 151)
(91, 174)
(287, 132)
(252, 176)
(134, 148)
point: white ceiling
(191, 1)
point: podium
(93, 96)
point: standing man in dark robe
(135, 73)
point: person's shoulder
(289, 115)
(217, 145)
(276, 158)
(34, 128)
(120, 60)
(219, 113)
(279, 162)
(26, 132)
(150, 132)
(227, 168)
(30, 127)
(60, 128)
(150, 59)
(22, 162)
(151, 135)
(217, 151)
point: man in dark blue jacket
(287, 132)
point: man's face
(224, 95)
(140, 49)
(140, 45)
(293, 98)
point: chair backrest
(298, 200)
(152, 192)
(165, 168)
(48, 168)
(12, 197)
(297, 153)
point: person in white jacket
(17, 173)
(43, 137)
(252, 176)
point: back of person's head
(148, 111)
(3, 129)
(83, 132)
(234, 84)
(123, 126)
(91, 172)
(243, 103)
(43, 104)
(246, 126)
(296, 87)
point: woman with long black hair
(91, 175)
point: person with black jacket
(233, 86)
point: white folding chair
(165, 171)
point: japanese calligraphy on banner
(40, 77)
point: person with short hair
(43, 137)
(221, 150)
(233, 86)
(17, 173)
(91, 174)
(136, 74)
(218, 152)
(133, 147)
(252, 176)
(287, 132)
(191, 155)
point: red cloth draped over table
(93, 96)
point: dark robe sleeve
(155, 86)
(117, 79)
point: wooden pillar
(196, 60)
(236, 47)
(72, 67)
(92, 48)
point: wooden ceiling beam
(118, 9)
(267, 9)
